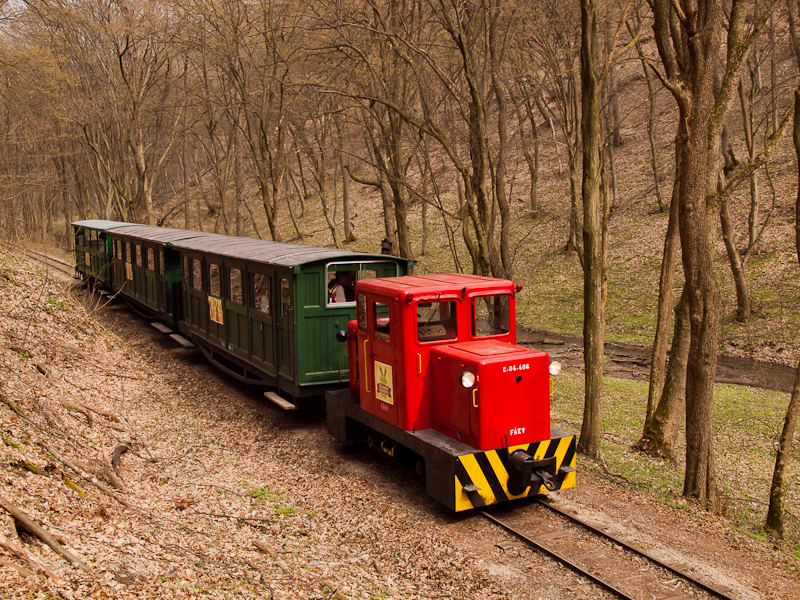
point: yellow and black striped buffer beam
(481, 478)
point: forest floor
(223, 495)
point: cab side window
(490, 315)
(381, 322)
(436, 321)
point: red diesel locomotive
(435, 371)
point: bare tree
(775, 514)
(688, 36)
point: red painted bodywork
(408, 372)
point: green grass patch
(747, 423)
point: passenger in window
(342, 287)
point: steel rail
(559, 557)
(717, 591)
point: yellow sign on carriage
(215, 309)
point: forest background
(487, 136)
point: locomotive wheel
(419, 467)
(371, 443)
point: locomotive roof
(424, 285)
(253, 249)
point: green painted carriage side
(321, 359)
(92, 253)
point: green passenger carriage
(264, 312)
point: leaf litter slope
(227, 496)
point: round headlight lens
(467, 379)
(555, 368)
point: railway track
(624, 569)
(47, 260)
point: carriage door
(380, 378)
(236, 312)
(263, 305)
(171, 276)
(285, 327)
(216, 315)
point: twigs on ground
(34, 563)
(87, 476)
(43, 535)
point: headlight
(467, 379)
(555, 368)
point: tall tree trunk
(737, 268)
(187, 216)
(348, 225)
(786, 445)
(651, 116)
(777, 491)
(594, 234)
(661, 430)
(665, 291)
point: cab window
(436, 321)
(490, 315)
(361, 313)
(381, 322)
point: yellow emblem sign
(383, 382)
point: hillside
(222, 495)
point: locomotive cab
(435, 369)
(439, 352)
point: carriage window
(341, 278)
(262, 293)
(214, 287)
(362, 313)
(235, 277)
(118, 246)
(197, 274)
(382, 323)
(151, 259)
(186, 273)
(436, 321)
(286, 298)
(341, 283)
(161, 261)
(128, 252)
(138, 255)
(490, 315)
(80, 238)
